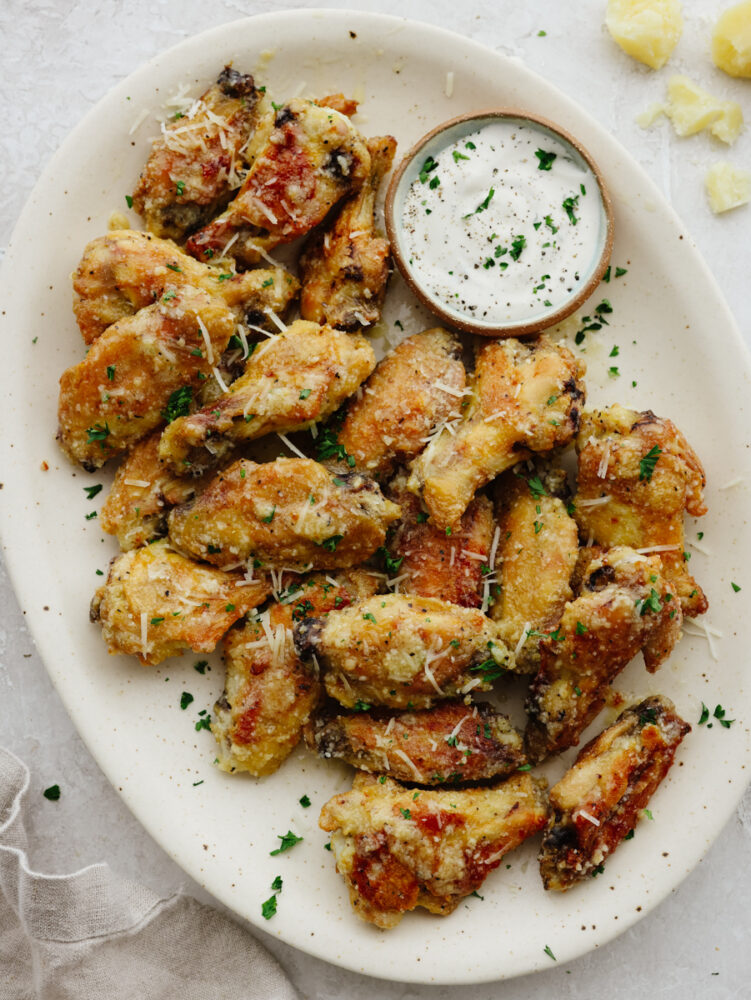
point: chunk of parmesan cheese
(691, 109)
(727, 187)
(647, 30)
(731, 41)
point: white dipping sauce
(497, 233)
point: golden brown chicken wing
(292, 512)
(441, 745)
(598, 801)
(403, 651)
(434, 564)
(194, 164)
(118, 393)
(416, 387)
(625, 605)
(345, 266)
(526, 399)
(398, 849)
(156, 603)
(269, 694)
(304, 159)
(637, 476)
(296, 378)
(535, 559)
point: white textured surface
(57, 59)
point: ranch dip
(503, 225)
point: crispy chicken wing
(625, 605)
(535, 559)
(268, 693)
(296, 378)
(637, 476)
(118, 393)
(417, 386)
(193, 165)
(598, 800)
(434, 564)
(526, 398)
(345, 267)
(403, 651)
(447, 743)
(125, 270)
(291, 512)
(304, 159)
(397, 850)
(156, 603)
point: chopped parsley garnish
(185, 699)
(549, 953)
(52, 793)
(629, 835)
(200, 666)
(524, 767)
(174, 267)
(178, 404)
(613, 372)
(489, 669)
(569, 205)
(98, 433)
(615, 351)
(305, 803)
(719, 714)
(538, 525)
(288, 840)
(157, 621)
(129, 200)
(735, 586)
(546, 159)
(428, 166)
(620, 271)
(580, 629)
(267, 283)
(648, 813)
(91, 492)
(204, 723)
(390, 562)
(651, 603)
(370, 617)
(268, 908)
(606, 275)
(648, 717)
(648, 463)
(405, 813)
(269, 517)
(91, 515)
(517, 245)
(277, 884)
(458, 156)
(434, 182)
(305, 393)
(421, 517)
(213, 550)
(111, 372)
(704, 714)
(229, 607)
(536, 488)
(483, 204)
(330, 544)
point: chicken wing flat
(403, 651)
(398, 850)
(417, 386)
(345, 267)
(118, 393)
(434, 564)
(125, 270)
(297, 378)
(535, 559)
(448, 743)
(598, 801)
(193, 166)
(156, 604)
(305, 158)
(526, 399)
(291, 512)
(625, 605)
(269, 694)
(637, 476)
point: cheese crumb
(727, 187)
(692, 109)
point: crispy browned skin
(397, 851)
(646, 502)
(447, 743)
(268, 693)
(403, 651)
(117, 394)
(600, 798)
(291, 512)
(345, 266)
(403, 401)
(344, 105)
(126, 270)
(304, 159)
(625, 605)
(156, 603)
(297, 378)
(527, 398)
(192, 168)
(535, 559)
(433, 563)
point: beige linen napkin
(92, 935)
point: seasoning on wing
(417, 387)
(536, 557)
(298, 377)
(118, 393)
(526, 399)
(403, 651)
(126, 270)
(447, 743)
(625, 605)
(397, 849)
(156, 603)
(269, 694)
(304, 159)
(292, 512)
(345, 267)
(194, 164)
(431, 563)
(637, 476)
(599, 799)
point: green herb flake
(606, 275)
(549, 952)
(129, 200)
(536, 488)
(91, 491)
(268, 908)
(178, 404)
(305, 803)
(648, 813)
(174, 267)
(99, 432)
(405, 813)
(541, 34)
(157, 621)
(517, 245)
(305, 393)
(269, 517)
(421, 517)
(735, 586)
(52, 793)
(570, 205)
(483, 204)
(200, 666)
(620, 271)
(629, 835)
(204, 723)
(719, 714)
(704, 714)
(185, 699)
(330, 544)
(545, 158)
(91, 515)
(614, 352)
(288, 841)
(580, 629)
(524, 767)
(361, 706)
(613, 372)
(370, 617)
(458, 156)
(648, 462)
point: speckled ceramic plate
(679, 354)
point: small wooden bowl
(444, 135)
